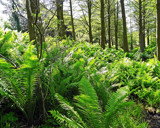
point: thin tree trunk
(148, 36)
(140, 27)
(116, 26)
(158, 29)
(131, 35)
(103, 39)
(109, 25)
(125, 41)
(89, 3)
(72, 21)
(144, 23)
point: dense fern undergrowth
(83, 86)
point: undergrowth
(82, 84)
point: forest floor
(153, 120)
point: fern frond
(67, 106)
(63, 120)
(116, 102)
(87, 89)
(88, 104)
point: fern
(88, 104)
(67, 122)
(89, 109)
(116, 103)
(67, 106)
(19, 84)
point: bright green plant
(89, 113)
(20, 84)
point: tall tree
(144, 21)
(72, 20)
(89, 3)
(31, 9)
(60, 19)
(131, 35)
(140, 27)
(158, 29)
(116, 23)
(109, 22)
(103, 39)
(125, 40)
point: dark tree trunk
(103, 39)
(144, 23)
(109, 25)
(148, 36)
(72, 21)
(131, 35)
(125, 41)
(116, 25)
(158, 29)
(140, 27)
(89, 3)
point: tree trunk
(61, 27)
(31, 9)
(158, 29)
(125, 41)
(116, 26)
(148, 36)
(131, 35)
(72, 21)
(89, 3)
(140, 27)
(103, 39)
(109, 25)
(144, 23)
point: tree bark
(109, 25)
(31, 9)
(89, 3)
(72, 21)
(148, 36)
(116, 25)
(140, 27)
(131, 35)
(60, 24)
(158, 29)
(144, 23)
(103, 39)
(125, 41)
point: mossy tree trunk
(60, 19)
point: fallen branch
(15, 66)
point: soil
(153, 119)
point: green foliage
(89, 109)
(19, 84)
(94, 82)
(8, 120)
